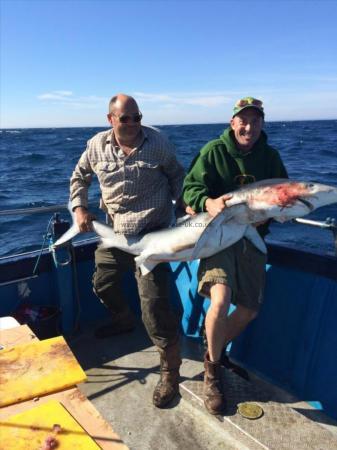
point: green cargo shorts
(241, 267)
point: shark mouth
(309, 205)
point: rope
(43, 243)
(76, 288)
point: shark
(201, 235)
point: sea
(36, 164)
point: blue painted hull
(292, 343)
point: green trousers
(158, 317)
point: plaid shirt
(137, 189)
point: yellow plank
(37, 368)
(82, 410)
(34, 428)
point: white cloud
(64, 108)
(55, 95)
(69, 99)
(207, 100)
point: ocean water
(36, 164)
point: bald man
(139, 176)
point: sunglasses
(248, 101)
(123, 118)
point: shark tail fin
(69, 234)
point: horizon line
(162, 125)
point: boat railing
(328, 224)
(36, 210)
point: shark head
(287, 193)
(317, 194)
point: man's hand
(214, 206)
(84, 219)
(190, 211)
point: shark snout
(324, 195)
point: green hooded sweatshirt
(213, 172)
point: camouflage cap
(248, 102)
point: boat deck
(123, 371)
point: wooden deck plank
(15, 336)
(72, 399)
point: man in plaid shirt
(139, 176)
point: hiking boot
(120, 323)
(213, 393)
(168, 385)
(224, 359)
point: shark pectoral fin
(147, 267)
(216, 222)
(143, 263)
(253, 236)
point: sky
(184, 61)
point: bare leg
(216, 319)
(237, 322)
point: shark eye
(311, 185)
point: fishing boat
(287, 357)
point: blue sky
(183, 61)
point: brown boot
(168, 385)
(213, 393)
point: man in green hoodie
(241, 155)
